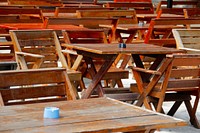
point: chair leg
(192, 113)
(174, 108)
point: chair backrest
(162, 27)
(85, 36)
(34, 85)
(124, 16)
(192, 12)
(188, 39)
(42, 42)
(181, 4)
(184, 74)
(71, 11)
(142, 7)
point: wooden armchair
(187, 39)
(34, 85)
(40, 49)
(176, 80)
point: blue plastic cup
(51, 112)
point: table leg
(97, 75)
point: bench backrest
(124, 16)
(85, 36)
(181, 4)
(22, 12)
(188, 39)
(35, 2)
(33, 86)
(62, 11)
(165, 33)
(139, 7)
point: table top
(85, 115)
(143, 49)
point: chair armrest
(190, 49)
(29, 54)
(145, 70)
(66, 51)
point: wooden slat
(29, 92)
(50, 76)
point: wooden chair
(92, 23)
(176, 4)
(164, 28)
(176, 80)
(40, 49)
(34, 85)
(187, 39)
(141, 7)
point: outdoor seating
(176, 80)
(95, 36)
(41, 49)
(163, 36)
(187, 39)
(177, 4)
(34, 85)
(139, 7)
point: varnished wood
(35, 83)
(180, 82)
(187, 39)
(84, 116)
(109, 52)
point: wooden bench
(34, 85)
(180, 80)
(35, 2)
(71, 11)
(187, 39)
(92, 23)
(181, 4)
(139, 7)
(30, 12)
(165, 30)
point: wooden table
(88, 115)
(109, 52)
